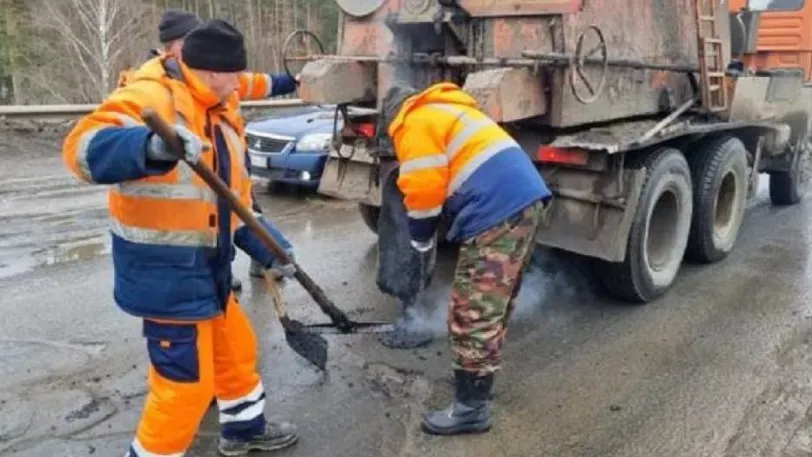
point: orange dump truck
(650, 120)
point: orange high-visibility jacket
(253, 86)
(172, 237)
(454, 158)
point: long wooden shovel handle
(154, 121)
(276, 296)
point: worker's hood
(444, 92)
(391, 103)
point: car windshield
(776, 5)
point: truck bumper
(354, 176)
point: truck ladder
(712, 77)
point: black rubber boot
(469, 413)
(406, 334)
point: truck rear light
(567, 156)
(366, 129)
(353, 131)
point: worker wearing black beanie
(215, 46)
(176, 24)
(200, 341)
(219, 47)
(215, 53)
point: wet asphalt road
(720, 367)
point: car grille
(265, 144)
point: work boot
(278, 435)
(408, 333)
(468, 413)
(256, 270)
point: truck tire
(719, 174)
(369, 214)
(659, 231)
(788, 187)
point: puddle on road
(45, 222)
(22, 261)
(71, 253)
(15, 264)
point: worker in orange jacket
(455, 160)
(173, 241)
(175, 24)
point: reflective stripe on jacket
(455, 158)
(259, 86)
(172, 237)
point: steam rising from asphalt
(546, 278)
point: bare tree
(94, 34)
(71, 51)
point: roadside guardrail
(57, 113)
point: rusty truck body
(651, 121)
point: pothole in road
(66, 412)
(391, 382)
(22, 361)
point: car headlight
(315, 142)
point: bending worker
(173, 241)
(454, 159)
(175, 24)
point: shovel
(308, 345)
(338, 318)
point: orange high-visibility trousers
(190, 363)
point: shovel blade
(312, 347)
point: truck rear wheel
(370, 214)
(719, 174)
(659, 231)
(788, 187)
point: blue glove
(282, 83)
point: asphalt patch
(403, 338)
(84, 412)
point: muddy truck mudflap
(352, 173)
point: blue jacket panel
(501, 187)
(165, 282)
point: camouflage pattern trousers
(486, 282)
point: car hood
(297, 125)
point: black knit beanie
(215, 46)
(176, 24)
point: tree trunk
(13, 11)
